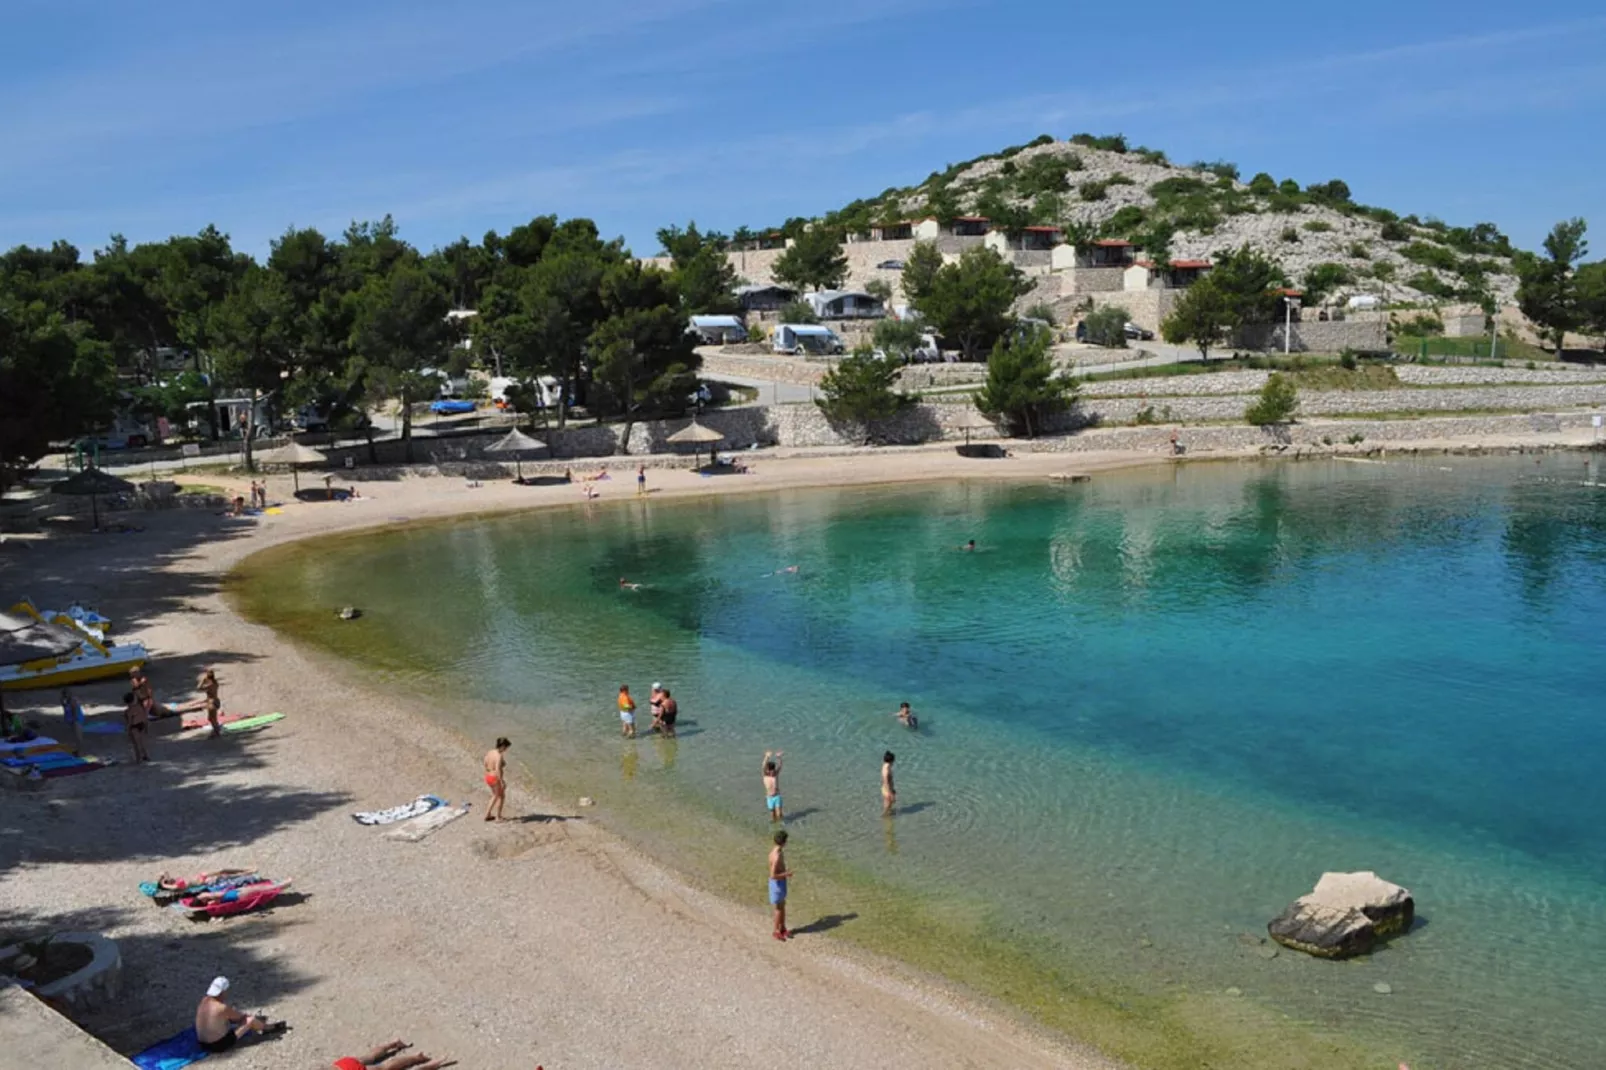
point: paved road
(770, 392)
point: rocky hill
(1101, 187)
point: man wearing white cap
(215, 1020)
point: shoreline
(348, 968)
(932, 1021)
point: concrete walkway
(36, 1036)
(770, 392)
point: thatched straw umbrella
(516, 442)
(698, 436)
(295, 455)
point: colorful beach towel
(418, 807)
(27, 745)
(251, 724)
(174, 1053)
(198, 720)
(235, 901)
(415, 829)
(42, 759)
(82, 765)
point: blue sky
(160, 117)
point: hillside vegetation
(1099, 187)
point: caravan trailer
(809, 339)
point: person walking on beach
(641, 482)
(72, 711)
(211, 703)
(779, 875)
(772, 785)
(496, 778)
(136, 722)
(889, 794)
(627, 712)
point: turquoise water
(1154, 709)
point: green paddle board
(251, 724)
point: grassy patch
(1337, 377)
(1439, 346)
(201, 488)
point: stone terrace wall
(1319, 336)
(1337, 402)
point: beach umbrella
(93, 483)
(515, 442)
(24, 639)
(295, 455)
(698, 436)
(972, 420)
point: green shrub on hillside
(1093, 191)
(1262, 185)
(1118, 179)
(1107, 326)
(1220, 168)
(1290, 235)
(1276, 404)
(1318, 226)
(1325, 278)
(1432, 285)
(1429, 254)
(1151, 156)
(1359, 251)
(1394, 230)
(1127, 219)
(1106, 143)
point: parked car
(451, 407)
(890, 265)
(114, 440)
(1133, 331)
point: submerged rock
(350, 613)
(1345, 915)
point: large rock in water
(1344, 916)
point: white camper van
(809, 339)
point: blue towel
(174, 1053)
(103, 728)
(43, 761)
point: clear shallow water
(1155, 708)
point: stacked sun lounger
(42, 758)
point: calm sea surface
(1155, 708)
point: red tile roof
(1113, 243)
(1187, 264)
(1041, 229)
(971, 219)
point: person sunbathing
(208, 896)
(389, 1057)
(166, 883)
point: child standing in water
(627, 712)
(772, 785)
(778, 877)
(889, 794)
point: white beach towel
(421, 805)
(419, 827)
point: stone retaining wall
(1319, 336)
(1434, 375)
(1344, 402)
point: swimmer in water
(969, 546)
(626, 585)
(788, 570)
(906, 716)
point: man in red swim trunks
(495, 778)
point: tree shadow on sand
(166, 969)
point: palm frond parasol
(516, 442)
(92, 482)
(696, 435)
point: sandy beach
(540, 941)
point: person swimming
(906, 716)
(969, 546)
(626, 585)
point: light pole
(1289, 304)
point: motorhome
(810, 339)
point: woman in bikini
(495, 778)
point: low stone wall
(1310, 435)
(770, 369)
(1434, 375)
(1319, 336)
(925, 376)
(1344, 402)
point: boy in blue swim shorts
(772, 784)
(778, 876)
